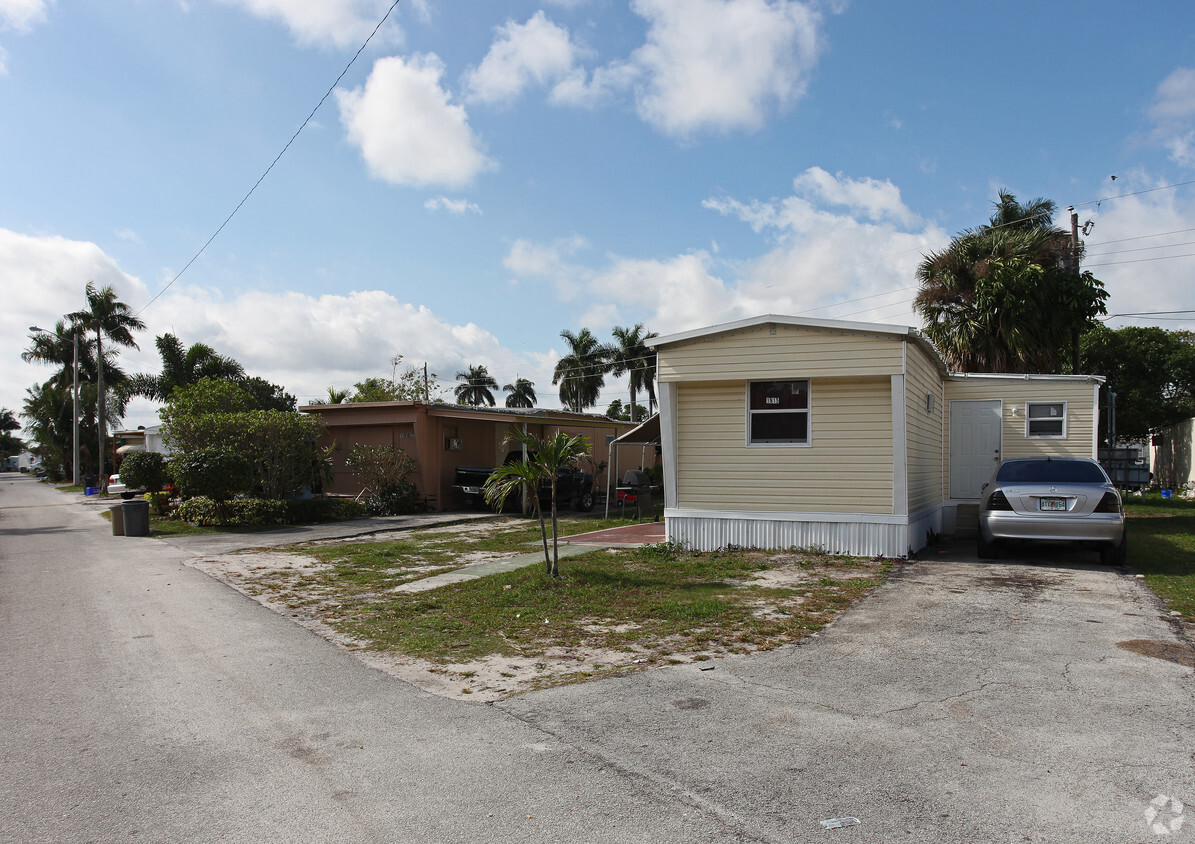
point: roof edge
(782, 319)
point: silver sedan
(1052, 498)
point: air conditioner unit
(452, 444)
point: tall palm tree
(1003, 297)
(522, 393)
(581, 373)
(631, 356)
(476, 388)
(111, 318)
(182, 368)
(545, 459)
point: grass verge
(1162, 547)
(611, 610)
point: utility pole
(76, 472)
(1074, 268)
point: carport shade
(646, 434)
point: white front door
(974, 445)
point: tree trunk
(555, 571)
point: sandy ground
(264, 575)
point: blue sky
(486, 175)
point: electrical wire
(277, 158)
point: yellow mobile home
(783, 432)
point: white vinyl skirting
(854, 534)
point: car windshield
(1051, 471)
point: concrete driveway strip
(963, 702)
(143, 701)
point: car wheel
(126, 495)
(1115, 554)
(986, 549)
(584, 501)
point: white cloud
(722, 64)
(406, 127)
(452, 206)
(44, 278)
(22, 15)
(1142, 265)
(3, 62)
(874, 199)
(813, 261)
(340, 23)
(1173, 115)
(537, 52)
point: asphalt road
(143, 701)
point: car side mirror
(982, 488)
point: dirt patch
(1180, 652)
(299, 585)
(1027, 584)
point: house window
(1045, 419)
(778, 412)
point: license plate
(1051, 504)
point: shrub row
(263, 511)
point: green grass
(659, 600)
(1162, 547)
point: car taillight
(1108, 504)
(998, 501)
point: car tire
(584, 502)
(127, 495)
(1115, 554)
(986, 549)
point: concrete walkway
(628, 536)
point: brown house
(442, 437)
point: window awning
(125, 449)
(647, 433)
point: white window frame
(1030, 435)
(808, 411)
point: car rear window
(1052, 471)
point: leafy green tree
(521, 393)
(618, 410)
(581, 373)
(182, 367)
(216, 472)
(631, 356)
(267, 395)
(546, 458)
(10, 444)
(279, 448)
(144, 470)
(335, 396)
(1152, 372)
(476, 387)
(1004, 297)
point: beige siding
(791, 352)
(924, 430)
(847, 468)
(1015, 392)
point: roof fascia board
(781, 319)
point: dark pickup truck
(573, 488)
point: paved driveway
(963, 702)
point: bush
(144, 470)
(160, 501)
(243, 512)
(237, 513)
(323, 510)
(394, 501)
(211, 472)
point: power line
(1143, 260)
(261, 178)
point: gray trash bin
(136, 517)
(117, 519)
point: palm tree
(111, 318)
(546, 458)
(522, 393)
(335, 396)
(581, 373)
(476, 387)
(1003, 297)
(181, 368)
(632, 357)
